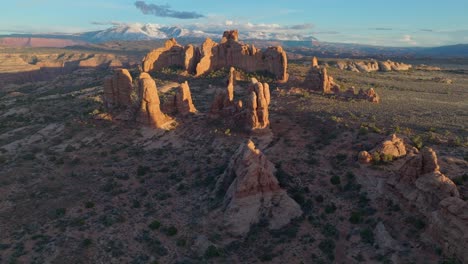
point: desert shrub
(212, 252)
(327, 246)
(386, 158)
(330, 209)
(87, 242)
(142, 170)
(171, 231)
(417, 141)
(363, 130)
(319, 199)
(329, 230)
(376, 158)
(367, 236)
(89, 204)
(154, 225)
(461, 179)
(355, 218)
(335, 180)
(60, 212)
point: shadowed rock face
(213, 56)
(150, 112)
(449, 227)
(252, 192)
(118, 89)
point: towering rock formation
(224, 99)
(252, 192)
(172, 54)
(257, 114)
(183, 100)
(213, 56)
(318, 79)
(118, 89)
(314, 63)
(150, 113)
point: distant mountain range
(293, 41)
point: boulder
(252, 193)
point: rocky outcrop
(421, 182)
(369, 95)
(372, 66)
(118, 89)
(317, 79)
(391, 148)
(150, 112)
(252, 193)
(214, 56)
(449, 227)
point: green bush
(60, 212)
(212, 252)
(335, 180)
(417, 141)
(87, 242)
(154, 225)
(171, 231)
(355, 218)
(367, 236)
(89, 204)
(142, 170)
(331, 208)
(327, 246)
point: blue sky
(378, 22)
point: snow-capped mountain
(141, 32)
(155, 31)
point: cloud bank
(165, 11)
